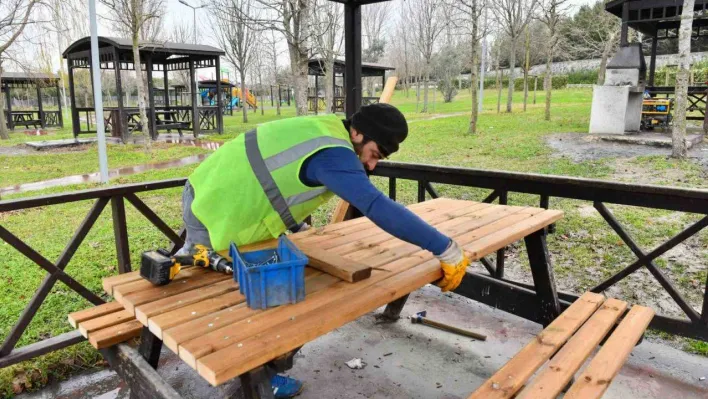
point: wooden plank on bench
(115, 334)
(89, 326)
(509, 379)
(597, 377)
(335, 265)
(94, 312)
(567, 361)
(110, 282)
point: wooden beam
(335, 265)
(93, 312)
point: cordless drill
(160, 268)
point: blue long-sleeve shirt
(340, 170)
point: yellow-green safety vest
(249, 190)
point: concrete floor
(405, 360)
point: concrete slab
(405, 360)
(647, 138)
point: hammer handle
(466, 333)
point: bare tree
(527, 66)
(130, 17)
(293, 19)
(427, 24)
(401, 53)
(678, 136)
(237, 37)
(14, 17)
(592, 33)
(513, 16)
(552, 12)
(327, 25)
(272, 54)
(374, 20)
(467, 20)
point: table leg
(393, 309)
(150, 347)
(544, 282)
(256, 384)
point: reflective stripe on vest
(298, 151)
(260, 170)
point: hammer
(420, 318)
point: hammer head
(418, 316)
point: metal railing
(501, 184)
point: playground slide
(250, 98)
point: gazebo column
(624, 32)
(59, 98)
(652, 61)
(120, 124)
(8, 100)
(352, 53)
(383, 81)
(75, 122)
(42, 123)
(195, 107)
(166, 94)
(219, 102)
(152, 125)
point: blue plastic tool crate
(268, 285)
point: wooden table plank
(567, 361)
(93, 312)
(115, 334)
(113, 281)
(346, 269)
(99, 323)
(597, 377)
(514, 374)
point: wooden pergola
(660, 20)
(316, 67)
(34, 116)
(226, 87)
(117, 54)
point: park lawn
(584, 248)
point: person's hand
(454, 263)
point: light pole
(194, 15)
(97, 96)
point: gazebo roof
(648, 16)
(316, 67)
(211, 83)
(159, 50)
(29, 77)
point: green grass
(584, 248)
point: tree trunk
(426, 88)
(548, 83)
(499, 85)
(512, 74)
(260, 84)
(329, 86)
(144, 122)
(298, 67)
(527, 65)
(474, 77)
(603, 63)
(4, 134)
(244, 104)
(678, 136)
(417, 93)
(277, 103)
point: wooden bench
(576, 332)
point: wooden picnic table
(202, 317)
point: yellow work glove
(454, 263)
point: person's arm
(340, 170)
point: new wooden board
(507, 381)
(115, 334)
(125, 278)
(91, 313)
(597, 377)
(99, 323)
(567, 361)
(335, 265)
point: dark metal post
(501, 254)
(150, 347)
(280, 98)
(421, 191)
(271, 96)
(120, 232)
(393, 310)
(317, 96)
(219, 102)
(8, 100)
(152, 124)
(352, 53)
(383, 81)
(195, 106)
(59, 98)
(166, 94)
(543, 279)
(121, 124)
(288, 96)
(39, 106)
(392, 188)
(624, 33)
(652, 62)
(75, 122)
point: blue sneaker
(285, 387)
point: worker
(268, 180)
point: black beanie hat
(382, 123)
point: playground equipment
(657, 113)
(250, 98)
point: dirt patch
(15, 150)
(629, 172)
